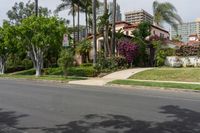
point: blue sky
(188, 9)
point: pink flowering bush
(128, 49)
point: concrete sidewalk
(124, 74)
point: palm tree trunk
(36, 7)
(94, 32)
(113, 28)
(78, 25)
(106, 43)
(86, 21)
(74, 39)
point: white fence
(176, 61)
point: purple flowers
(128, 49)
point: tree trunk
(38, 71)
(74, 39)
(78, 25)
(2, 65)
(106, 42)
(94, 32)
(86, 21)
(36, 7)
(113, 44)
(38, 59)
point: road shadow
(181, 121)
(184, 121)
(9, 120)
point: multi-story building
(100, 11)
(138, 16)
(127, 29)
(186, 29)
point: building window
(127, 33)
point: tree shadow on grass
(184, 121)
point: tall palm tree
(78, 19)
(36, 7)
(72, 6)
(165, 12)
(106, 29)
(94, 31)
(113, 27)
(87, 8)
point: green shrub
(161, 55)
(28, 64)
(66, 60)
(86, 65)
(82, 71)
(110, 63)
(53, 71)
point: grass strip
(157, 84)
(52, 77)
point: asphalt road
(32, 107)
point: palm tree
(86, 7)
(113, 27)
(69, 4)
(78, 25)
(94, 32)
(106, 29)
(165, 12)
(36, 7)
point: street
(42, 107)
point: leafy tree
(165, 12)
(73, 8)
(7, 44)
(140, 35)
(38, 34)
(84, 48)
(21, 11)
(66, 60)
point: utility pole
(36, 7)
(94, 32)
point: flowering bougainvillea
(128, 49)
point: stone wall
(176, 61)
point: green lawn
(49, 77)
(157, 84)
(170, 74)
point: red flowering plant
(128, 49)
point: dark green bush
(86, 65)
(11, 69)
(110, 63)
(82, 71)
(28, 64)
(162, 54)
(52, 71)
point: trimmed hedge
(188, 51)
(82, 71)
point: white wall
(175, 61)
